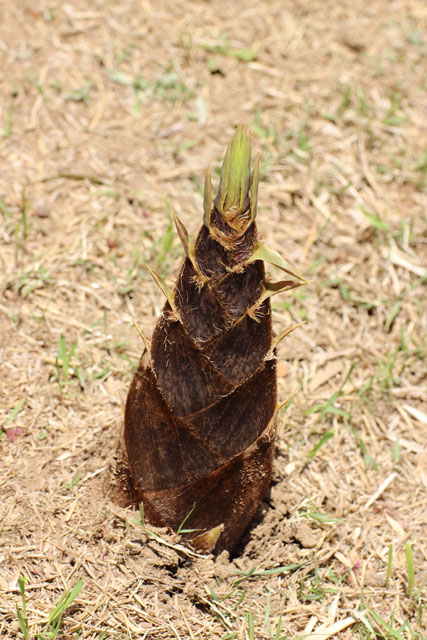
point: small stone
(42, 208)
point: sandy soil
(108, 111)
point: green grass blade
(22, 624)
(267, 614)
(181, 526)
(245, 576)
(241, 598)
(375, 221)
(65, 601)
(254, 573)
(389, 563)
(9, 122)
(323, 440)
(279, 627)
(141, 521)
(16, 409)
(21, 584)
(250, 620)
(382, 624)
(410, 567)
(22, 617)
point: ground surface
(108, 108)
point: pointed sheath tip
(207, 199)
(235, 181)
(160, 282)
(207, 541)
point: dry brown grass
(106, 109)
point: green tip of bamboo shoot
(234, 187)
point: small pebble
(42, 208)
